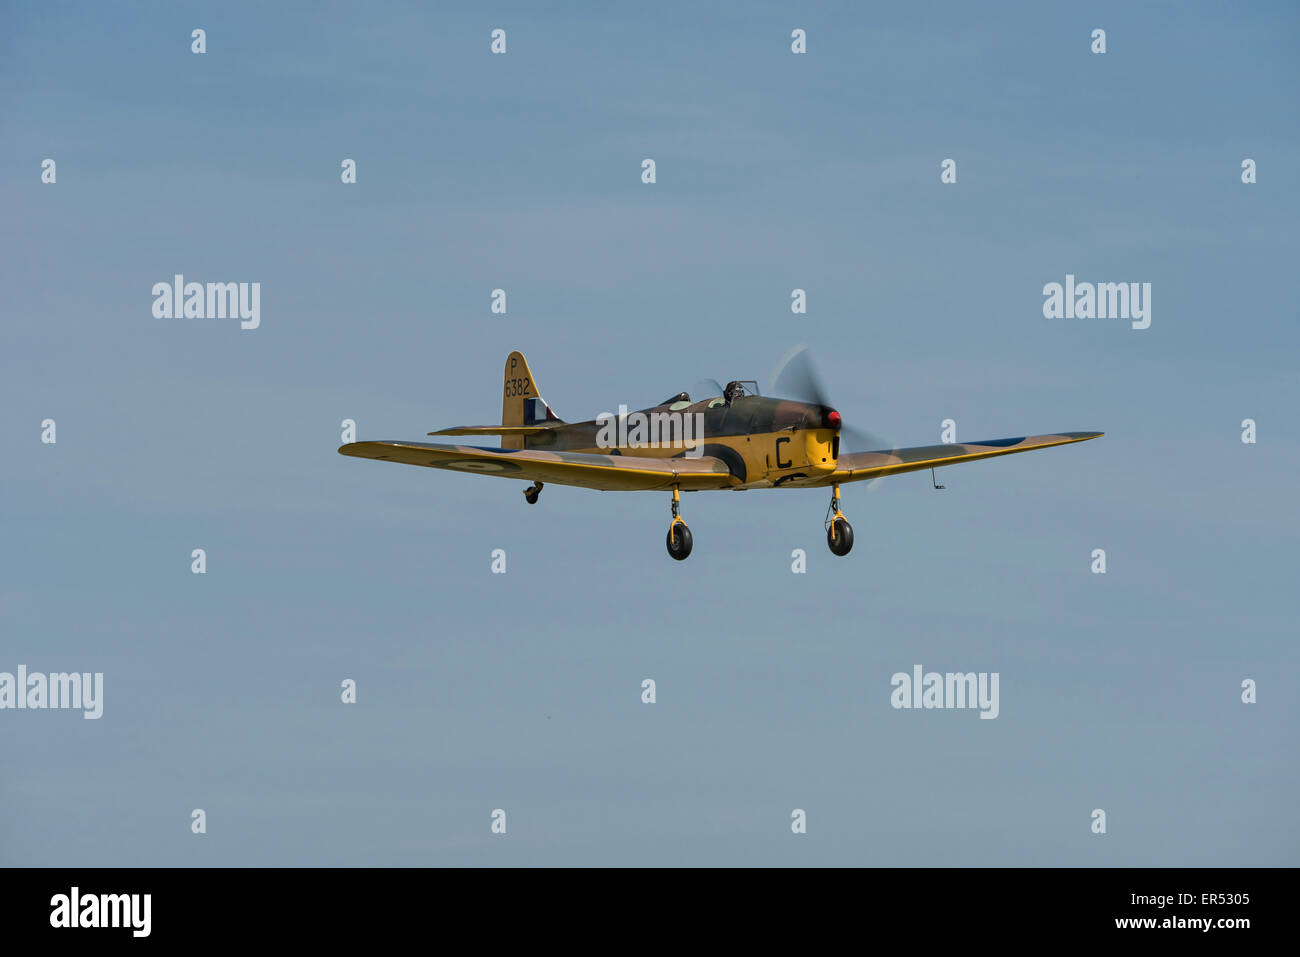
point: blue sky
(522, 691)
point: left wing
(624, 473)
(864, 465)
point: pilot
(733, 391)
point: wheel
(840, 536)
(679, 540)
(531, 495)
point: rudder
(521, 400)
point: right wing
(864, 465)
(625, 473)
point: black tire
(840, 537)
(679, 541)
(531, 495)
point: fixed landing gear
(679, 536)
(839, 533)
(532, 492)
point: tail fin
(521, 402)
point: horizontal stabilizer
(495, 429)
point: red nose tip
(833, 419)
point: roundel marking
(476, 465)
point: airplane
(743, 440)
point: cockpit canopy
(738, 389)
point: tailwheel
(839, 533)
(531, 493)
(679, 536)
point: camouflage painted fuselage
(763, 441)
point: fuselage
(763, 441)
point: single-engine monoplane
(737, 439)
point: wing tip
(355, 449)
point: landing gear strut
(532, 492)
(839, 533)
(679, 536)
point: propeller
(796, 378)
